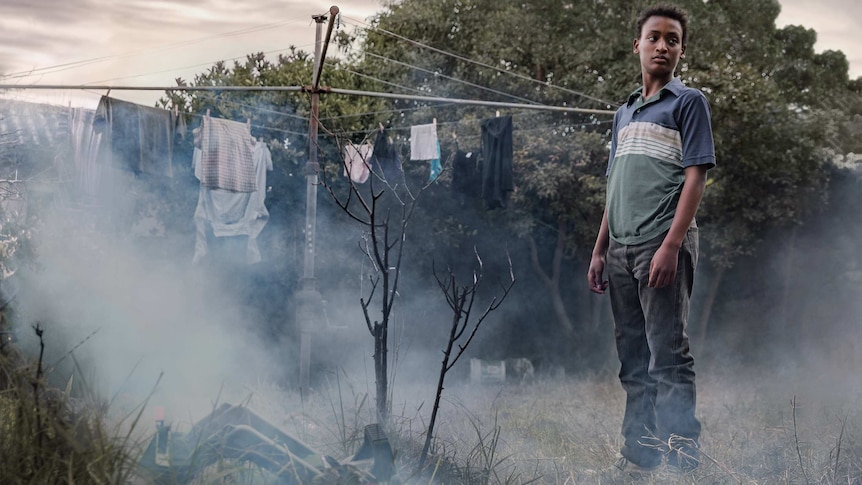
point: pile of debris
(237, 434)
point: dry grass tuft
(49, 436)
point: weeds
(560, 432)
(48, 435)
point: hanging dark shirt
(385, 161)
(497, 180)
(137, 138)
(464, 173)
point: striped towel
(226, 155)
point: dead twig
(796, 438)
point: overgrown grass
(756, 430)
(49, 436)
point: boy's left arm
(663, 266)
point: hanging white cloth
(233, 213)
(423, 142)
(357, 161)
(85, 143)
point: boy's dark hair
(664, 10)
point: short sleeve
(695, 127)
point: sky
(153, 42)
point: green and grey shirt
(654, 140)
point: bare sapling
(383, 207)
(463, 328)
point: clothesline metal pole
(309, 300)
(473, 102)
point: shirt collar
(675, 87)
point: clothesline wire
(366, 113)
(459, 122)
(255, 125)
(404, 128)
(451, 78)
(264, 110)
(379, 80)
(473, 61)
(369, 131)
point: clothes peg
(497, 114)
(208, 112)
(434, 122)
(381, 126)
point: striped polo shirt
(654, 140)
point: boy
(661, 148)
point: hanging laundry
(497, 180)
(231, 213)
(180, 126)
(464, 173)
(85, 144)
(436, 167)
(357, 161)
(385, 161)
(423, 142)
(226, 155)
(134, 137)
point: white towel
(423, 142)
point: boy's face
(660, 46)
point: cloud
(121, 34)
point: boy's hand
(594, 275)
(662, 268)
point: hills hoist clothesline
(423, 139)
(309, 298)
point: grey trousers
(657, 368)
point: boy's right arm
(597, 262)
